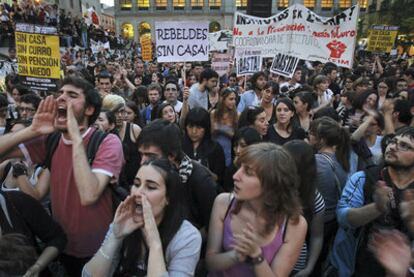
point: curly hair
(276, 170)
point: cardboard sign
(249, 65)
(38, 56)
(219, 41)
(381, 38)
(98, 46)
(181, 41)
(221, 62)
(284, 65)
(299, 32)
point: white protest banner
(284, 65)
(181, 41)
(248, 65)
(97, 46)
(220, 62)
(299, 32)
(220, 40)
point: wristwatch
(256, 260)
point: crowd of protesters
(73, 30)
(144, 169)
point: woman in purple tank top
(258, 231)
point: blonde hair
(112, 102)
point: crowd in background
(257, 175)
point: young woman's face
(168, 113)
(154, 78)
(103, 123)
(267, 95)
(195, 133)
(138, 81)
(151, 183)
(348, 84)
(373, 127)
(129, 115)
(370, 102)
(299, 105)
(16, 95)
(239, 146)
(382, 88)
(261, 124)
(247, 185)
(230, 101)
(323, 86)
(283, 114)
(120, 115)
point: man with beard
(371, 201)
(253, 97)
(81, 202)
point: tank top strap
(127, 137)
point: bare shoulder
(221, 203)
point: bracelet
(104, 255)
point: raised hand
(186, 93)
(44, 119)
(72, 124)
(407, 208)
(151, 233)
(127, 219)
(392, 250)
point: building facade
(108, 19)
(136, 17)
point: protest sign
(248, 65)
(220, 62)
(181, 41)
(284, 65)
(219, 41)
(98, 46)
(381, 38)
(299, 32)
(38, 56)
(146, 47)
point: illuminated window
(241, 4)
(310, 4)
(143, 4)
(125, 4)
(326, 4)
(179, 4)
(345, 4)
(214, 4)
(161, 4)
(128, 31)
(197, 4)
(282, 4)
(363, 4)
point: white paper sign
(181, 41)
(220, 62)
(299, 32)
(284, 65)
(248, 65)
(220, 40)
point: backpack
(97, 137)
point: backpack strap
(52, 142)
(93, 145)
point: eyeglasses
(400, 145)
(170, 89)
(25, 109)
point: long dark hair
(174, 216)
(305, 161)
(294, 121)
(328, 131)
(201, 118)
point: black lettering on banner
(284, 65)
(21, 48)
(249, 65)
(22, 69)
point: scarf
(186, 169)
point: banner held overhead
(181, 41)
